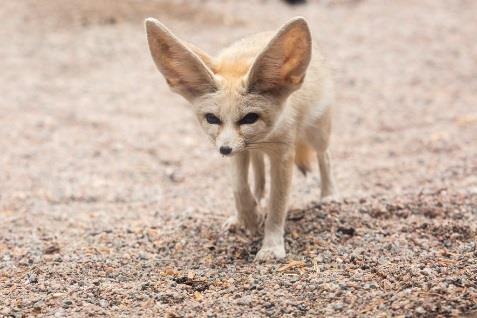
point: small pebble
(420, 310)
(103, 303)
(32, 279)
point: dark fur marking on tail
(303, 169)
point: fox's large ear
(185, 72)
(208, 61)
(280, 68)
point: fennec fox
(254, 100)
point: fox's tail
(304, 157)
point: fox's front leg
(258, 164)
(273, 245)
(248, 213)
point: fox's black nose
(225, 150)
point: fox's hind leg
(328, 188)
(319, 137)
(258, 165)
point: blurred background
(91, 138)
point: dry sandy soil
(111, 198)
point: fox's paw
(270, 253)
(251, 221)
(254, 221)
(330, 198)
(329, 193)
(232, 224)
(333, 197)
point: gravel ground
(111, 199)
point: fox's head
(237, 100)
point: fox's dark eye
(212, 119)
(250, 118)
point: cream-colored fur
(281, 80)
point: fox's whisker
(269, 143)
